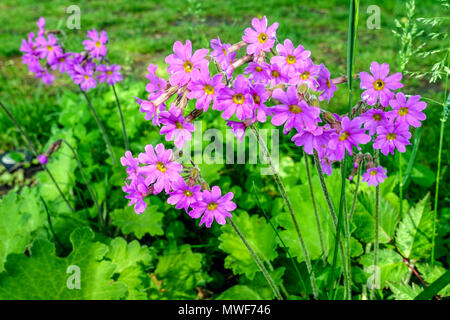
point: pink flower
(372, 119)
(293, 112)
(407, 111)
(260, 96)
(213, 206)
(42, 159)
(325, 84)
(258, 72)
(289, 58)
(379, 85)
(276, 76)
(150, 110)
(392, 136)
(238, 129)
(159, 169)
(61, 62)
(84, 76)
(237, 100)
(175, 127)
(182, 62)
(48, 47)
(110, 74)
(136, 191)
(222, 56)
(183, 195)
(157, 85)
(374, 176)
(132, 165)
(95, 45)
(305, 73)
(351, 135)
(316, 138)
(204, 88)
(261, 37)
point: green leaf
(239, 292)
(46, 276)
(390, 266)
(414, 233)
(431, 273)
(20, 217)
(259, 235)
(130, 260)
(403, 291)
(180, 272)
(140, 224)
(435, 287)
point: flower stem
(400, 185)
(313, 200)
(124, 130)
(377, 218)
(291, 211)
(257, 260)
(355, 196)
(348, 278)
(100, 126)
(88, 185)
(50, 224)
(33, 149)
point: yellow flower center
(328, 83)
(86, 77)
(212, 206)
(275, 74)
(188, 193)
(208, 89)
(238, 98)
(224, 52)
(391, 136)
(344, 136)
(378, 85)
(295, 109)
(256, 98)
(49, 48)
(258, 69)
(109, 72)
(305, 75)
(161, 167)
(62, 59)
(403, 111)
(262, 38)
(98, 44)
(373, 172)
(178, 125)
(291, 59)
(377, 117)
(188, 66)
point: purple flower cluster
(287, 89)
(43, 53)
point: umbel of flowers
(44, 55)
(281, 84)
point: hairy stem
(355, 196)
(377, 218)
(124, 130)
(100, 126)
(33, 149)
(291, 211)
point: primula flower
(372, 119)
(157, 85)
(260, 96)
(213, 206)
(150, 110)
(238, 129)
(293, 112)
(222, 56)
(307, 74)
(183, 195)
(391, 136)
(28, 47)
(61, 62)
(41, 26)
(132, 165)
(237, 100)
(175, 127)
(48, 47)
(379, 85)
(374, 176)
(351, 135)
(316, 138)
(182, 62)
(42, 159)
(84, 76)
(289, 58)
(326, 166)
(407, 111)
(159, 169)
(325, 84)
(136, 191)
(95, 45)
(276, 76)
(204, 88)
(110, 74)
(260, 37)
(259, 72)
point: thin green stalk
(355, 196)
(50, 224)
(377, 222)
(291, 212)
(412, 157)
(86, 181)
(100, 126)
(438, 171)
(400, 185)
(348, 279)
(313, 200)
(33, 149)
(257, 260)
(124, 130)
